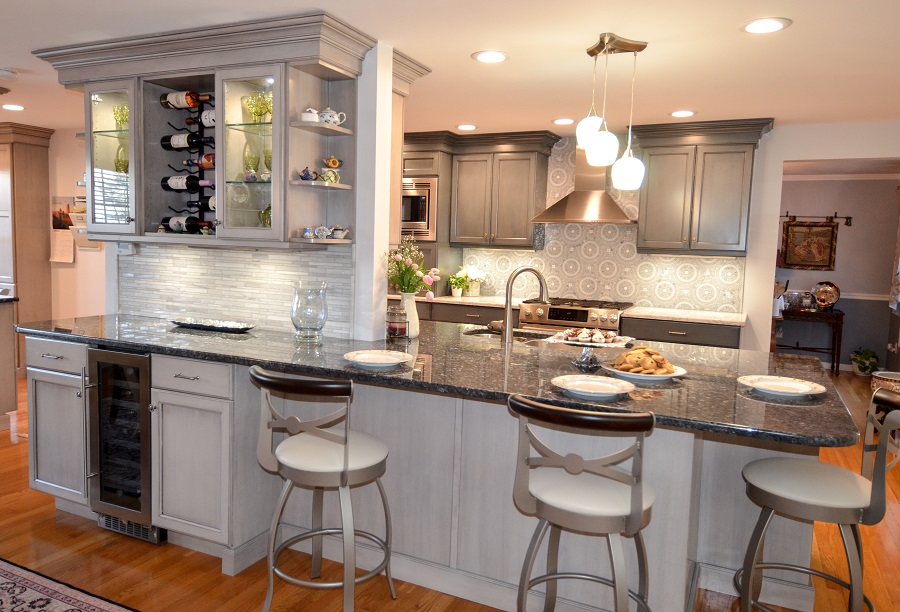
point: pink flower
(419, 273)
(408, 261)
(397, 257)
(436, 277)
(429, 297)
(415, 266)
(434, 271)
(428, 280)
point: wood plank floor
(168, 578)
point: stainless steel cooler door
(119, 422)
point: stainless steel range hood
(589, 202)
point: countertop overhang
(707, 399)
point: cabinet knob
(695, 240)
(151, 407)
(129, 219)
(684, 239)
(484, 235)
(492, 236)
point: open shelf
(319, 184)
(318, 127)
(321, 240)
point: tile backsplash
(600, 261)
(237, 285)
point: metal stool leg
(273, 533)
(388, 531)
(315, 569)
(552, 565)
(619, 571)
(349, 548)
(751, 581)
(643, 576)
(528, 565)
(854, 563)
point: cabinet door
(7, 268)
(191, 464)
(722, 197)
(513, 195)
(57, 446)
(470, 206)
(664, 221)
(249, 154)
(112, 158)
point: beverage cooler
(119, 445)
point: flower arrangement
(471, 273)
(406, 272)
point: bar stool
(813, 491)
(319, 455)
(587, 496)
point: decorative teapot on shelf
(310, 114)
(332, 117)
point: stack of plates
(585, 386)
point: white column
(373, 192)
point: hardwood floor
(169, 578)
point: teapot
(310, 114)
(331, 117)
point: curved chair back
(878, 459)
(290, 387)
(581, 422)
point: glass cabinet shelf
(260, 129)
(119, 134)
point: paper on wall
(62, 246)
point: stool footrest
(330, 531)
(794, 568)
(589, 577)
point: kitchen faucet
(506, 333)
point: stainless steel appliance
(562, 313)
(418, 209)
(119, 442)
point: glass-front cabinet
(111, 113)
(250, 164)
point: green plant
(866, 360)
(459, 282)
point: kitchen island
(453, 442)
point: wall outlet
(126, 248)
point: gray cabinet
(465, 313)
(696, 194)
(683, 332)
(57, 419)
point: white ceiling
(839, 61)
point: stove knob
(528, 312)
(594, 316)
(613, 318)
(539, 312)
(603, 317)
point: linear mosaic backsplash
(255, 286)
(600, 261)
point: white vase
(456, 291)
(408, 300)
(474, 289)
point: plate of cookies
(591, 337)
(643, 364)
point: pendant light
(588, 127)
(602, 147)
(628, 172)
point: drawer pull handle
(473, 316)
(50, 356)
(675, 333)
(180, 375)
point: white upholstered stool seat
(807, 490)
(603, 496)
(320, 453)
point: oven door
(414, 209)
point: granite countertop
(688, 316)
(448, 361)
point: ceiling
(837, 62)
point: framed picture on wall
(809, 245)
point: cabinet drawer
(191, 376)
(477, 315)
(707, 334)
(55, 355)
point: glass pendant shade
(586, 129)
(602, 149)
(628, 172)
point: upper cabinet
(205, 144)
(696, 194)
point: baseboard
(774, 592)
(76, 509)
(234, 560)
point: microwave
(418, 208)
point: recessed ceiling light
(466, 127)
(490, 57)
(564, 121)
(766, 25)
(13, 107)
(683, 113)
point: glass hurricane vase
(309, 311)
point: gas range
(570, 312)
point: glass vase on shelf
(309, 311)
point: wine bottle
(206, 161)
(188, 141)
(180, 182)
(207, 118)
(204, 203)
(183, 99)
(181, 224)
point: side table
(833, 318)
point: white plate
(583, 386)
(377, 358)
(781, 386)
(619, 342)
(679, 371)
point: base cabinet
(705, 334)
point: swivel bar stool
(586, 496)
(320, 453)
(812, 491)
